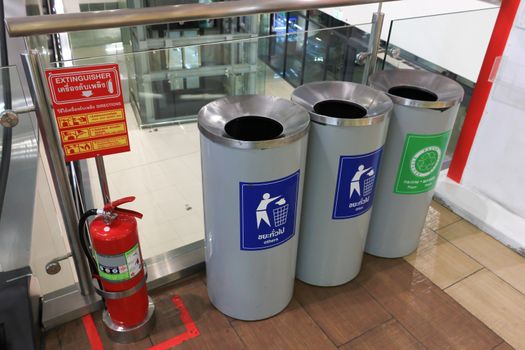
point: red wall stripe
(481, 92)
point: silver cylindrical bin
(425, 109)
(253, 151)
(348, 130)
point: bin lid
(417, 88)
(341, 103)
(253, 121)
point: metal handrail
(50, 24)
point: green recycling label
(420, 163)
(122, 267)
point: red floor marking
(92, 333)
(191, 330)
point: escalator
(19, 292)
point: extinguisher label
(268, 212)
(121, 267)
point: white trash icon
(280, 214)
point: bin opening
(340, 109)
(254, 128)
(413, 93)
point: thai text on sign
(89, 110)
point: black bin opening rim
(253, 128)
(413, 93)
(340, 109)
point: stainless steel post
(373, 44)
(103, 179)
(57, 166)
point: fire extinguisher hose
(84, 241)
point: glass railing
(170, 85)
(163, 91)
(165, 87)
(168, 73)
(451, 44)
(166, 81)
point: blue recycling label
(356, 184)
(268, 212)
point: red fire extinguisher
(116, 261)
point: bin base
(391, 255)
(124, 335)
(326, 284)
(250, 318)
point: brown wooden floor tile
(51, 341)
(495, 302)
(427, 312)
(490, 253)
(215, 330)
(73, 336)
(344, 312)
(504, 346)
(438, 216)
(291, 329)
(441, 261)
(389, 335)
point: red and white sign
(89, 109)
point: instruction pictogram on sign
(268, 212)
(89, 109)
(354, 193)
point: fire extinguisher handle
(114, 207)
(128, 212)
(118, 202)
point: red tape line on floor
(92, 333)
(191, 330)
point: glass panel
(429, 43)
(28, 216)
(277, 44)
(11, 92)
(331, 54)
(166, 86)
(295, 46)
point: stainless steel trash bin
(348, 130)
(253, 151)
(425, 109)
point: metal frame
(73, 302)
(285, 49)
(373, 45)
(25, 26)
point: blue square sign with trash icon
(356, 182)
(268, 212)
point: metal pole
(103, 179)
(32, 25)
(373, 44)
(53, 149)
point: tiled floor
(459, 290)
